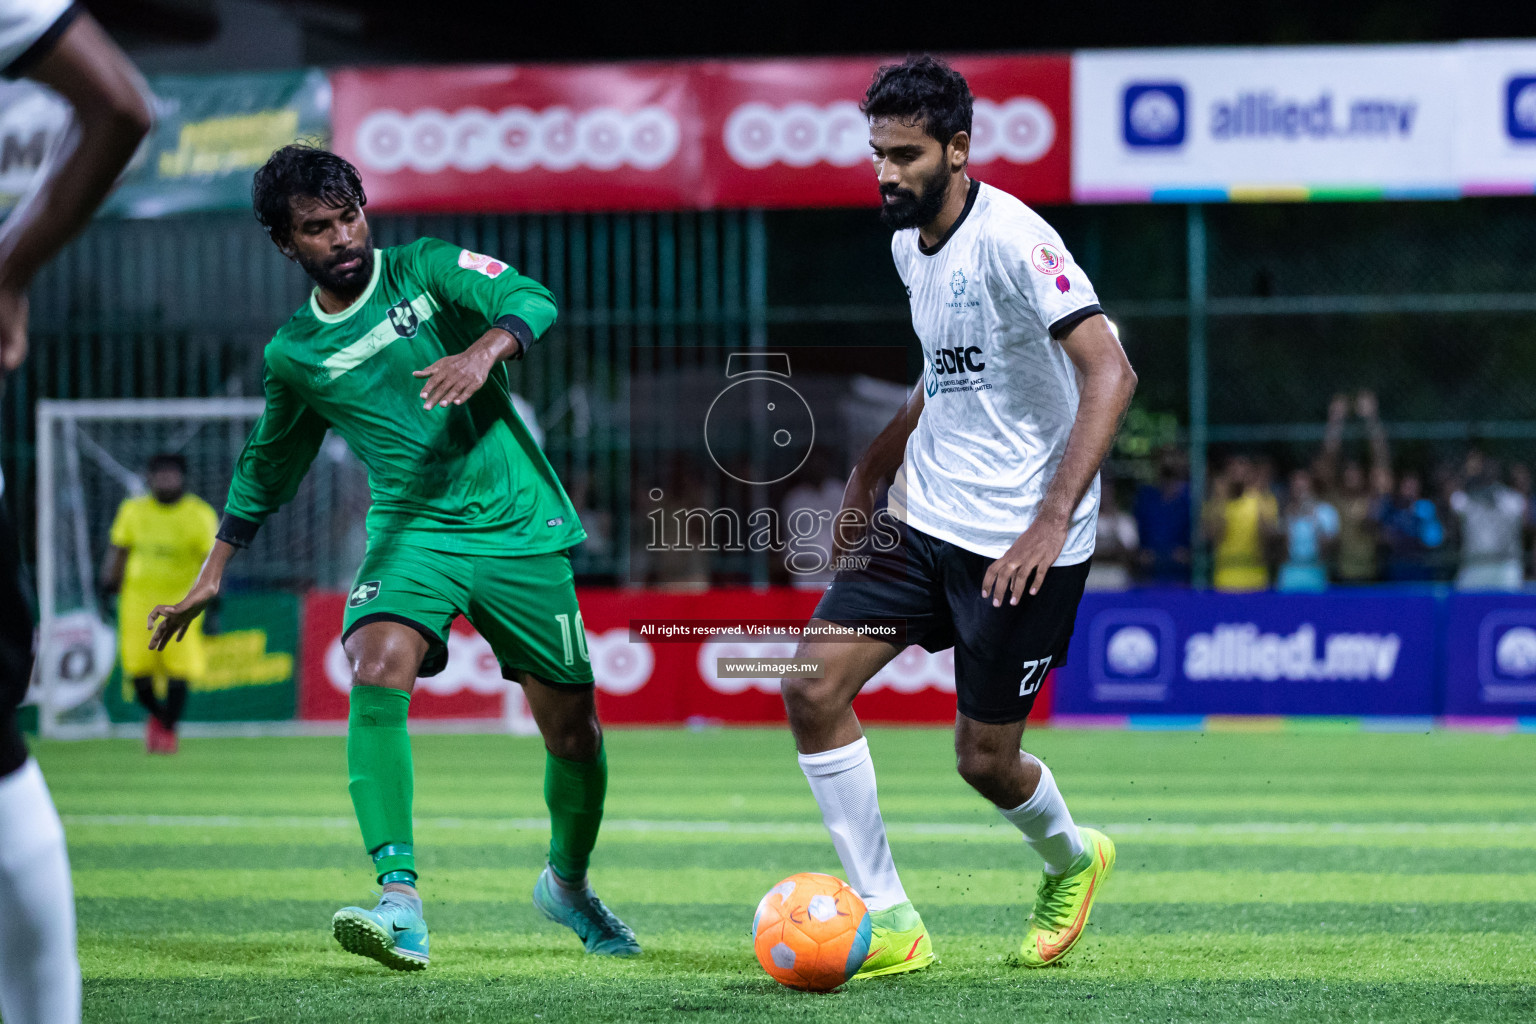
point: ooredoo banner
(640, 681)
(522, 137)
(1197, 653)
(672, 136)
(1276, 123)
(790, 134)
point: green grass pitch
(1291, 876)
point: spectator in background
(1115, 545)
(1410, 531)
(1311, 530)
(1162, 522)
(1240, 520)
(1350, 491)
(1520, 479)
(1492, 519)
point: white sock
(843, 782)
(1047, 825)
(39, 971)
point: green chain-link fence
(1429, 304)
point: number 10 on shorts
(564, 621)
(1034, 675)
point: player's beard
(346, 284)
(915, 209)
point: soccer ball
(811, 932)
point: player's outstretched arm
(175, 618)
(109, 116)
(1107, 385)
(876, 467)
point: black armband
(236, 530)
(1063, 327)
(519, 329)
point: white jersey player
(59, 45)
(993, 473)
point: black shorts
(934, 588)
(15, 647)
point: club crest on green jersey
(404, 319)
(363, 593)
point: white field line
(798, 830)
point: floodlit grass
(1298, 877)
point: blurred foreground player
(993, 467)
(399, 351)
(158, 543)
(55, 43)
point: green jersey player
(400, 352)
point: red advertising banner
(515, 137)
(640, 682)
(789, 133)
(738, 134)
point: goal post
(91, 455)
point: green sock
(574, 792)
(382, 781)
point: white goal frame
(56, 417)
(50, 414)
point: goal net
(91, 456)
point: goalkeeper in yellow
(159, 541)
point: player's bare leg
(821, 710)
(575, 785)
(835, 758)
(1077, 861)
(385, 658)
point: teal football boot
(392, 933)
(583, 913)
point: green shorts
(524, 606)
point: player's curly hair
(302, 170)
(921, 89)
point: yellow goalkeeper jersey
(166, 544)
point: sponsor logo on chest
(959, 282)
(403, 320)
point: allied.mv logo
(1520, 108)
(363, 593)
(402, 316)
(957, 283)
(1153, 114)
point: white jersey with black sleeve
(990, 303)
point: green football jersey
(465, 479)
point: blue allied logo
(1132, 655)
(1520, 108)
(1154, 115)
(957, 283)
(1514, 656)
(1131, 652)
